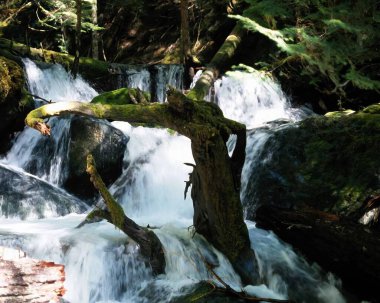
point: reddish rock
(23, 279)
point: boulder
(25, 196)
(316, 184)
(14, 101)
(349, 249)
(23, 279)
(331, 164)
(106, 143)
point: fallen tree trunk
(218, 63)
(347, 248)
(23, 279)
(150, 246)
(88, 67)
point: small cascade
(289, 275)
(153, 79)
(134, 77)
(256, 100)
(45, 156)
(253, 99)
(152, 183)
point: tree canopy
(333, 44)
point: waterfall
(153, 79)
(102, 264)
(45, 157)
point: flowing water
(101, 264)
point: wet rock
(331, 164)
(106, 143)
(347, 248)
(14, 102)
(24, 196)
(23, 279)
(316, 185)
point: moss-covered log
(219, 61)
(150, 246)
(218, 213)
(88, 67)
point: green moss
(342, 153)
(121, 96)
(338, 114)
(372, 109)
(203, 293)
(11, 79)
(172, 57)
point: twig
(43, 99)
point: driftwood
(23, 279)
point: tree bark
(78, 29)
(185, 38)
(95, 34)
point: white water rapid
(101, 264)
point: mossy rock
(122, 96)
(331, 164)
(15, 103)
(11, 80)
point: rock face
(24, 196)
(14, 103)
(317, 186)
(28, 280)
(106, 143)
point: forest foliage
(334, 44)
(330, 48)
(55, 20)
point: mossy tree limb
(220, 61)
(150, 246)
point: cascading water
(103, 266)
(45, 156)
(153, 79)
